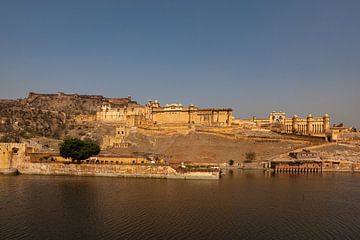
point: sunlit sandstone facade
(177, 114)
(311, 126)
(121, 111)
(133, 114)
(10, 153)
(118, 159)
(118, 140)
(341, 133)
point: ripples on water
(242, 205)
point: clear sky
(253, 56)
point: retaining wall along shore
(111, 170)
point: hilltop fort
(169, 132)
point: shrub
(250, 156)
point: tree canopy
(77, 149)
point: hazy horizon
(252, 56)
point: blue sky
(253, 56)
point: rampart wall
(110, 170)
(96, 170)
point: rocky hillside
(204, 147)
(45, 115)
(70, 104)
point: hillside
(45, 115)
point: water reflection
(242, 205)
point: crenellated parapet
(61, 94)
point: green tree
(250, 156)
(231, 162)
(78, 150)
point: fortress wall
(96, 170)
(199, 116)
(109, 170)
(349, 136)
(174, 117)
(61, 94)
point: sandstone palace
(59, 110)
(131, 113)
(311, 126)
(125, 113)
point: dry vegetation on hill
(206, 147)
(43, 115)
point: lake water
(242, 205)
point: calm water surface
(242, 205)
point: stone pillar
(310, 123)
(191, 114)
(271, 117)
(295, 126)
(229, 118)
(326, 121)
